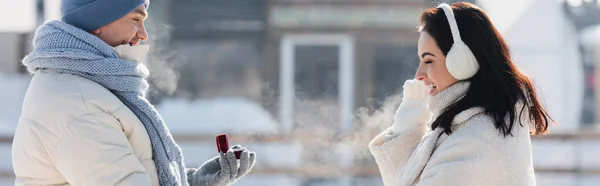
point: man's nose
(142, 34)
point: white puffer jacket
(73, 131)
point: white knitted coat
(476, 153)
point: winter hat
(90, 15)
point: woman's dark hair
(498, 85)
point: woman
(467, 118)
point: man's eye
(428, 62)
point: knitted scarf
(61, 47)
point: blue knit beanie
(90, 15)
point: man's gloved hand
(413, 110)
(223, 169)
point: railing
(332, 171)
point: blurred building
(585, 16)
(233, 48)
(352, 52)
(15, 34)
(217, 45)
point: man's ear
(96, 32)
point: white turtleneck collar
(450, 95)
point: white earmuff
(460, 61)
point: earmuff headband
(452, 21)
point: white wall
(18, 16)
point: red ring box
(223, 145)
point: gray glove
(222, 170)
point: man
(85, 119)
